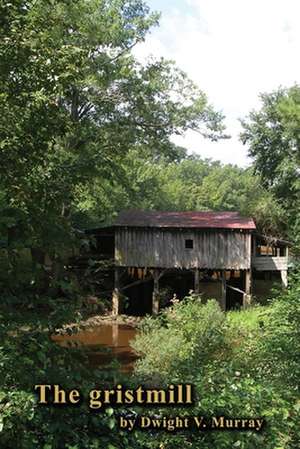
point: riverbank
(99, 320)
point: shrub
(29, 357)
(237, 365)
(182, 339)
(280, 346)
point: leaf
(111, 423)
(297, 406)
(109, 411)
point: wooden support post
(155, 294)
(284, 273)
(248, 281)
(196, 281)
(284, 278)
(254, 245)
(223, 297)
(116, 293)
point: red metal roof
(223, 220)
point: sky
(233, 50)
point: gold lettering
(119, 392)
(259, 423)
(199, 421)
(145, 421)
(171, 394)
(94, 399)
(42, 392)
(107, 394)
(156, 422)
(129, 398)
(156, 397)
(188, 394)
(74, 396)
(218, 422)
(139, 395)
(179, 397)
(59, 395)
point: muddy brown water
(104, 343)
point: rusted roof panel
(220, 220)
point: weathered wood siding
(268, 263)
(166, 249)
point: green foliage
(281, 343)
(272, 134)
(189, 183)
(191, 334)
(29, 357)
(73, 102)
(248, 366)
(242, 364)
(247, 320)
(86, 131)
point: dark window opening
(189, 244)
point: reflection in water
(104, 343)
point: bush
(237, 364)
(29, 357)
(182, 339)
(280, 347)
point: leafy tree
(230, 187)
(272, 134)
(188, 183)
(74, 101)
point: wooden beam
(223, 297)
(248, 287)
(254, 245)
(284, 277)
(197, 280)
(116, 293)
(162, 273)
(133, 284)
(236, 289)
(155, 294)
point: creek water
(104, 343)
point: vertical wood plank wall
(164, 248)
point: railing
(268, 263)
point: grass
(248, 319)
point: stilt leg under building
(196, 281)
(116, 293)
(284, 277)
(155, 294)
(248, 288)
(223, 297)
